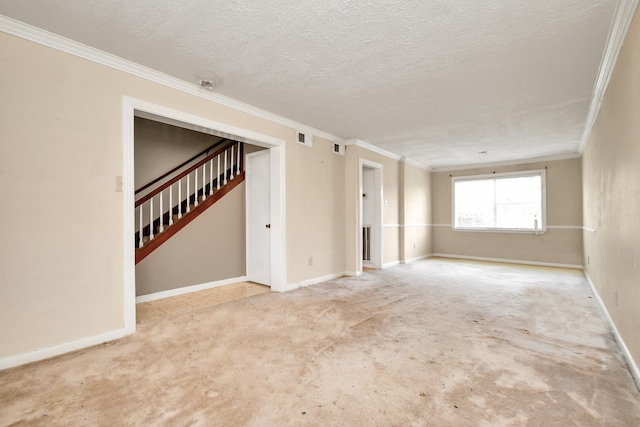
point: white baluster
(151, 218)
(218, 179)
(238, 162)
(231, 159)
(179, 198)
(140, 236)
(211, 177)
(161, 229)
(225, 167)
(171, 204)
(188, 198)
(195, 188)
(204, 181)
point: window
(500, 202)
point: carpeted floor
(438, 342)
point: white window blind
(508, 202)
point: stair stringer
(169, 231)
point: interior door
(258, 197)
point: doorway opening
(370, 224)
(276, 153)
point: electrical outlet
(310, 260)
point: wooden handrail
(186, 172)
(186, 162)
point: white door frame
(132, 107)
(377, 240)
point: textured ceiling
(436, 81)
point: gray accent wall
(208, 249)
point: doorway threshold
(166, 308)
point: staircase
(167, 207)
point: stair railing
(181, 165)
(196, 183)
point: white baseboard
(315, 281)
(419, 258)
(391, 264)
(189, 289)
(56, 350)
(509, 261)
(320, 279)
(353, 273)
(633, 367)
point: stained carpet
(436, 343)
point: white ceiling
(434, 80)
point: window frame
(542, 225)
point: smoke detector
(207, 84)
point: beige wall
(416, 212)
(315, 210)
(390, 209)
(556, 246)
(611, 168)
(406, 201)
(61, 252)
(210, 248)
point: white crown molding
(54, 41)
(509, 162)
(622, 18)
(371, 147)
(417, 164)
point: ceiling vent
(304, 138)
